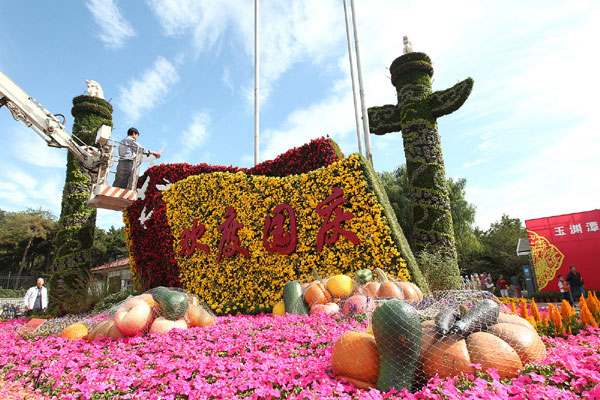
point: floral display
(261, 357)
(241, 238)
(151, 253)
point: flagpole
(256, 99)
(365, 116)
(356, 117)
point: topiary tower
(77, 223)
(415, 116)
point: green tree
(499, 242)
(109, 245)
(19, 232)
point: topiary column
(77, 223)
(415, 116)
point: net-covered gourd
(294, 299)
(398, 334)
(171, 304)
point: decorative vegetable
(100, 329)
(356, 304)
(364, 275)
(171, 303)
(279, 308)
(198, 316)
(316, 294)
(75, 331)
(445, 320)
(163, 325)
(293, 299)
(135, 316)
(482, 315)
(354, 357)
(340, 286)
(505, 347)
(398, 335)
(328, 308)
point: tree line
(26, 243)
(492, 250)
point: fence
(17, 301)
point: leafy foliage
(439, 270)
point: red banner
(564, 240)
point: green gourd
(171, 303)
(398, 334)
(293, 298)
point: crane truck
(97, 160)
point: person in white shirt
(36, 298)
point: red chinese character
(230, 242)
(189, 239)
(283, 242)
(325, 209)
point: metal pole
(356, 117)
(256, 100)
(361, 87)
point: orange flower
(535, 312)
(523, 312)
(513, 308)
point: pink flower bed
(260, 357)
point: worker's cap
(132, 131)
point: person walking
(575, 281)
(36, 298)
(565, 289)
(515, 285)
(129, 148)
(501, 283)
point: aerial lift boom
(97, 160)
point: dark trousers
(577, 292)
(124, 169)
(567, 296)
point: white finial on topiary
(94, 89)
(407, 45)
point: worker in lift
(128, 151)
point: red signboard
(564, 240)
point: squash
(371, 288)
(445, 320)
(171, 304)
(163, 325)
(198, 316)
(482, 315)
(354, 357)
(133, 317)
(279, 308)
(294, 299)
(410, 291)
(398, 334)
(364, 275)
(316, 294)
(504, 346)
(387, 288)
(357, 304)
(340, 286)
(328, 308)
(100, 329)
(75, 331)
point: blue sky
(527, 140)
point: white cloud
(146, 92)
(114, 29)
(30, 148)
(22, 190)
(194, 137)
(227, 79)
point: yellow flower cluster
(129, 240)
(248, 284)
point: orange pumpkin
(198, 316)
(410, 291)
(316, 294)
(75, 331)
(387, 288)
(355, 357)
(163, 325)
(100, 329)
(505, 346)
(133, 317)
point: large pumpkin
(355, 358)
(133, 317)
(505, 346)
